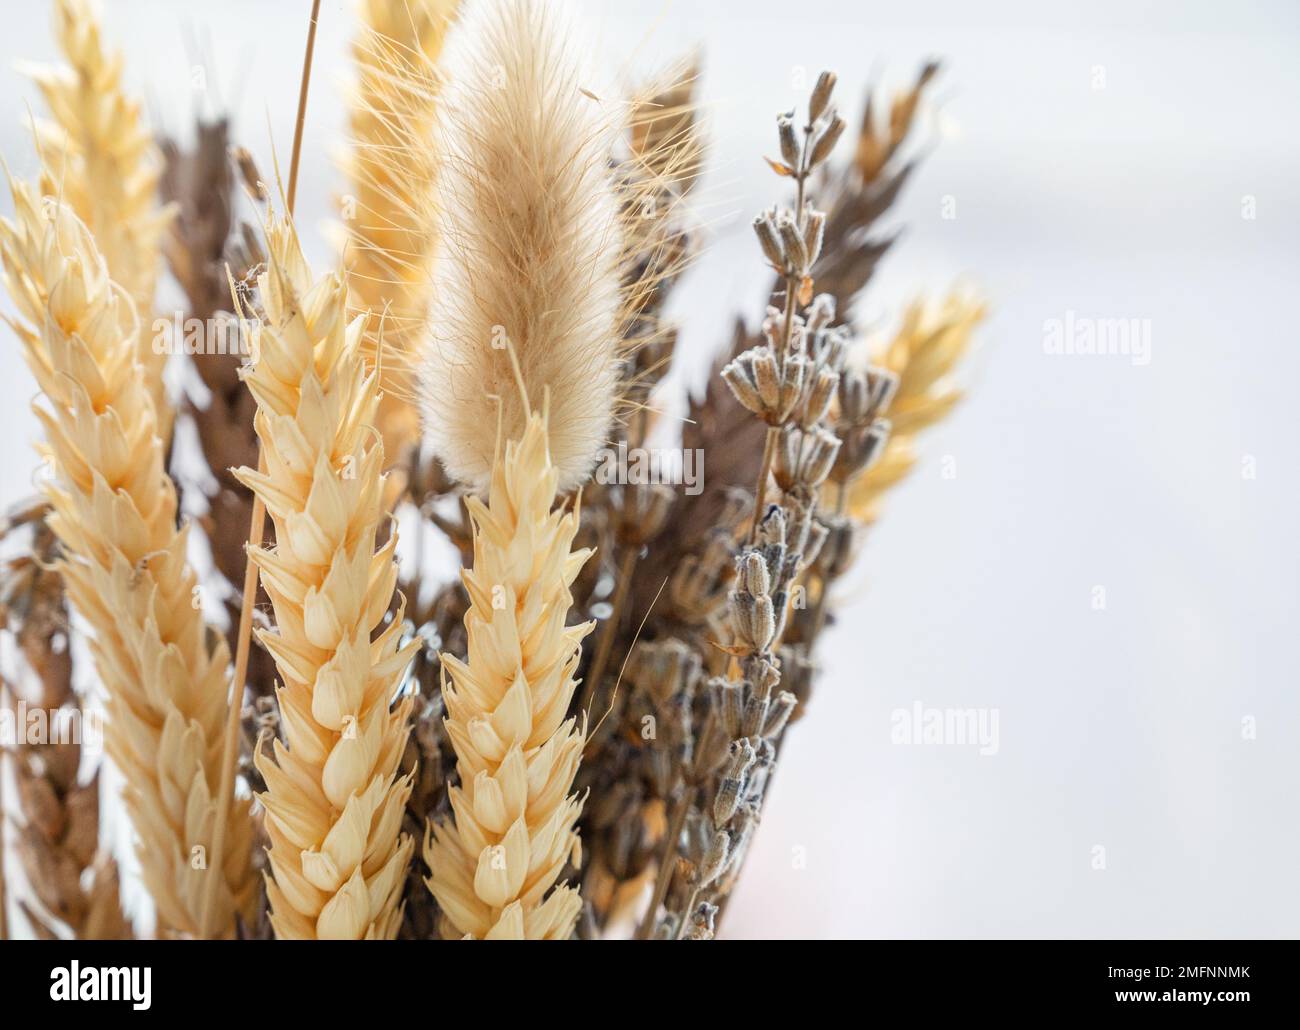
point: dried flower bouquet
(575, 739)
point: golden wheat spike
(334, 800)
(923, 353)
(391, 167)
(100, 158)
(114, 511)
(495, 864)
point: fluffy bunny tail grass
(114, 511)
(496, 862)
(527, 273)
(334, 799)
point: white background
(1120, 728)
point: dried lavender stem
(691, 902)
(760, 488)
(791, 282)
(664, 877)
(605, 645)
(792, 285)
(256, 531)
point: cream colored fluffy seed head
(334, 799)
(528, 245)
(496, 862)
(114, 512)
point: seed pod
(821, 312)
(875, 441)
(789, 144)
(767, 379)
(785, 464)
(742, 833)
(771, 529)
(818, 401)
(813, 231)
(751, 573)
(779, 714)
(821, 95)
(741, 757)
(729, 702)
(855, 397)
(642, 513)
(826, 141)
(793, 372)
(755, 715)
(820, 459)
(715, 857)
(764, 674)
(736, 376)
(792, 243)
(769, 241)
(883, 385)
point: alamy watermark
(34, 726)
(956, 727)
(1101, 337)
(648, 466)
(223, 334)
(75, 982)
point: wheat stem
(608, 632)
(666, 865)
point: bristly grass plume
(527, 275)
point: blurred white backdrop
(1119, 728)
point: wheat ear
(103, 162)
(114, 511)
(334, 801)
(391, 169)
(513, 828)
(923, 354)
(529, 244)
